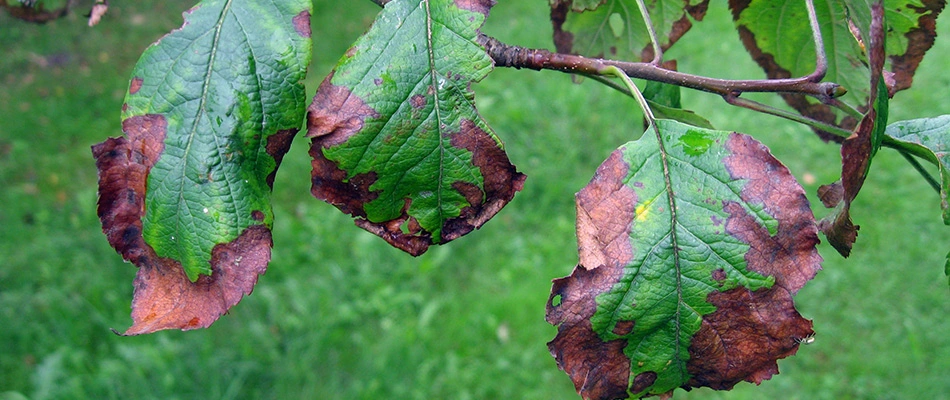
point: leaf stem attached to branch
(647, 113)
(821, 59)
(657, 49)
(920, 169)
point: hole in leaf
(556, 300)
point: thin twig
(609, 83)
(766, 109)
(847, 108)
(920, 168)
(647, 112)
(506, 55)
(821, 60)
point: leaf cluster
(692, 241)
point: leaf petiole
(647, 113)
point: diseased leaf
(164, 296)
(928, 138)
(777, 34)
(211, 110)
(911, 30)
(579, 5)
(616, 30)
(690, 251)
(424, 169)
(858, 149)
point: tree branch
(506, 55)
(518, 57)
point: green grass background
(340, 315)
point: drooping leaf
(690, 251)
(777, 34)
(928, 138)
(211, 109)
(397, 141)
(858, 150)
(616, 30)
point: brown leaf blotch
(331, 185)
(856, 156)
(719, 275)
(831, 194)
(749, 331)
(479, 6)
(301, 23)
(677, 30)
(623, 328)
(414, 244)
(165, 298)
(919, 41)
(563, 40)
(472, 193)
(135, 85)
(790, 255)
(840, 230)
(643, 381)
(417, 101)
(605, 215)
(123, 165)
(599, 369)
(277, 146)
(501, 180)
(257, 215)
(335, 114)
(744, 337)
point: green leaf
(224, 95)
(911, 30)
(691, 244)
(397, 141)
(777, 34)
(211, 110)
(664, 101)
(927, 138)
(616, 30)
(780, 29)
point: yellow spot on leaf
(642, 211)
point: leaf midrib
(437, 236)
(194, 127)
(671, 196)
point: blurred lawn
(340, 315)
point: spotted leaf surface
(691, 247)
(185, 194)
(397, 141)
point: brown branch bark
(537, 59)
